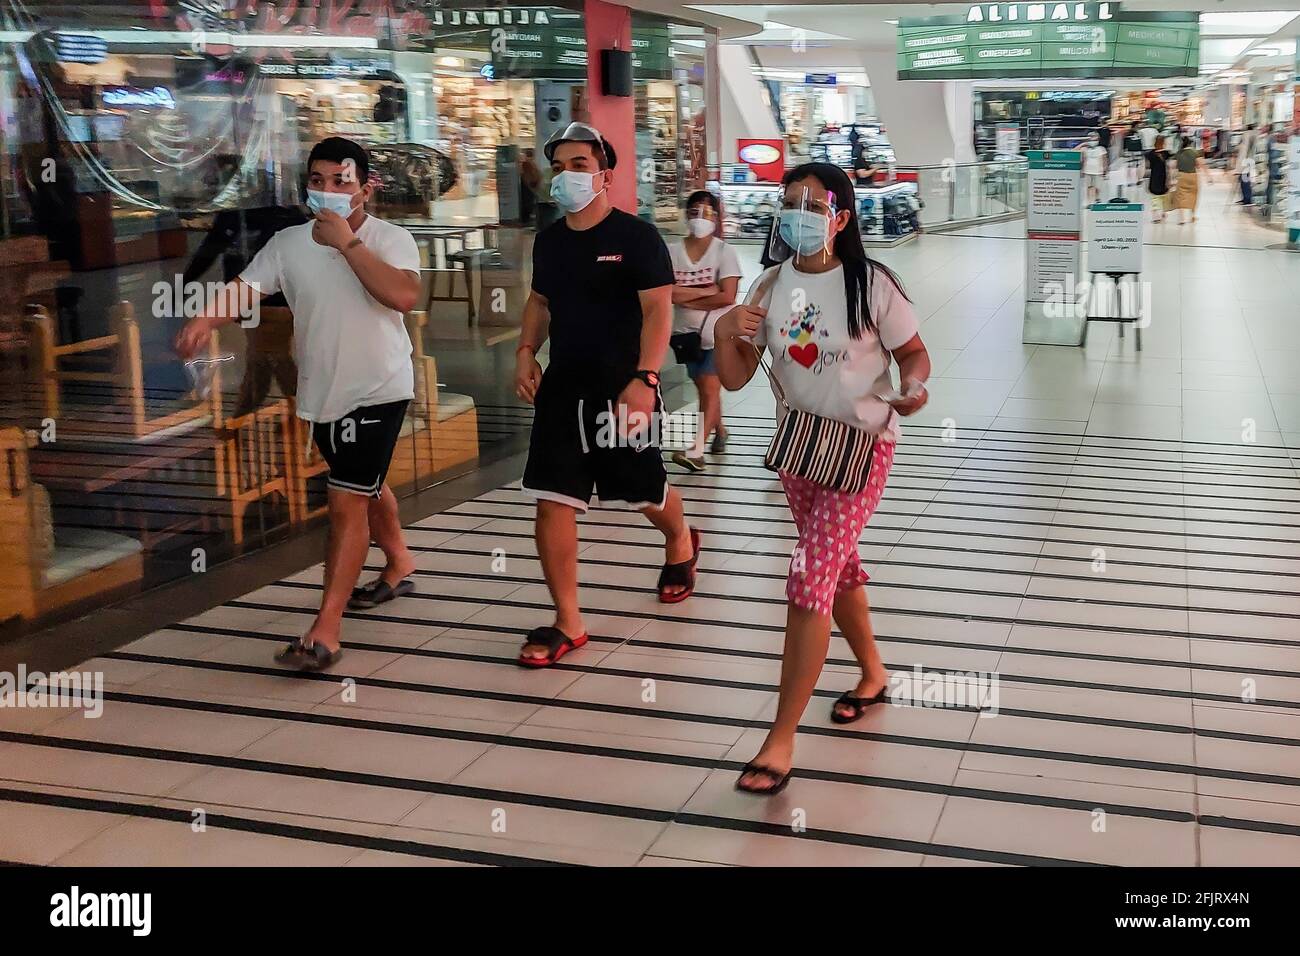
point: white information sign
(1055, 199)
(1115, 238)
(1007, 139)
(1052, 268)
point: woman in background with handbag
(706, 272)
(830, 319)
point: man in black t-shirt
(602, 290)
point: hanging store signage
(1031, 12)
(133, 97)
(78, 48)
(331, 69)
(1121, 44)
(819, 79)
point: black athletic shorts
(359, 446)
(572, 450)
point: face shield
(803, 228)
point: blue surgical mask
(804, 231)
(340, 203)
(573, 191)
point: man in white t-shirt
(1095, 163)
(348, 277)
(1148, 134)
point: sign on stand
(1007, 139)
(1115, 238)
(1053, 220)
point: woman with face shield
(830, 320)
(706, 272)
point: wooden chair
(41, 569)
(121, 413)
(255, 460)
(440, 431)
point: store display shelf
(886, 213)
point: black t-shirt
(1158, 183)
(591, 279)
(1103, 136)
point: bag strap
(763, 299)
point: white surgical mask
(340, 203)
(804, 231)
(700, 227)
(573, 191)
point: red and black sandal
(680, 575)
(556, 642)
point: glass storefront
(149, 150)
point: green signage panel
(1048, 40)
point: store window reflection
(149, 151)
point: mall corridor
(1087, 525)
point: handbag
(825, 451)
(686, 347)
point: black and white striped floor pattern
(1138, 601)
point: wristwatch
(647, 376)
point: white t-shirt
(821, 368)
(1094, 160)
(1148, 134)
(351, 350)
(718, 262)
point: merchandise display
(411, 176)
(885, 213)
(656, 123)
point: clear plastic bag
(202, 372)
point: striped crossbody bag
(822, 450)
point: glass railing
(966, 193)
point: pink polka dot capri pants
(825, 561)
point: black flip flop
(291, 653)
(859, 705)
(780, 780)
(680, 575)
(379, 592)
(318, 658)
(557, 644)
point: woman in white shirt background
(1096, 163)
(830, 319)
(706, 273)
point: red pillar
(609, 26)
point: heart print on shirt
(800, 340)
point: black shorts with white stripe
(359, 446)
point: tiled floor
(1148, 712)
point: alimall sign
(1034, 12)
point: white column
(928, 122)
(745, 114)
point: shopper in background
(348, 277)
(1187, 187)
(830, 319)
(1096, 163)
(1158, 179)
(602, 291)
(706, 273)
(1148, 134)
(1133, 153)
(530, 179)
(1245, 164)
